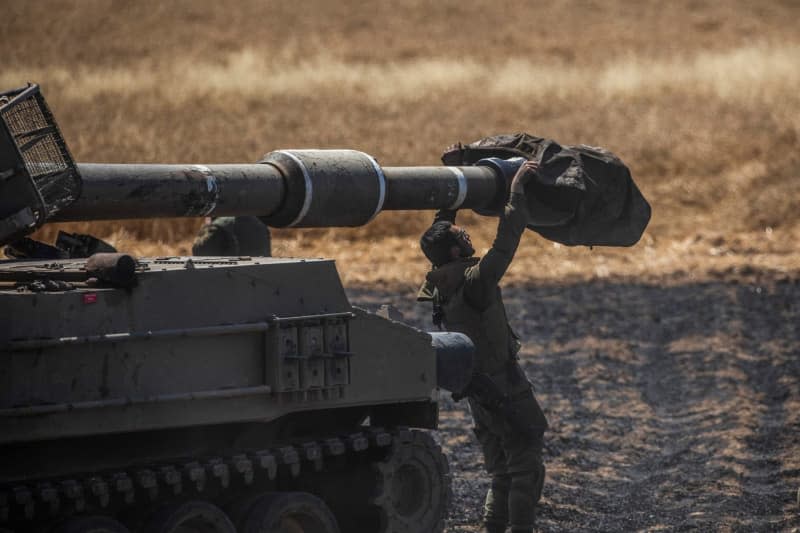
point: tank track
(220, 479)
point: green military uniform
(233, 236)
(466, 291)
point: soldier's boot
(524, 494)
(495, 509)
(492, 528)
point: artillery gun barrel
(301, 188)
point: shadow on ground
(671, 407)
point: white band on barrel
(381, 185)
(309, 187)
(211, 187)
(462, 188)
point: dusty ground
(672, 405)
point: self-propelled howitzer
(217, 394)
(212, 394)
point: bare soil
(673, 405)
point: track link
(218, 478)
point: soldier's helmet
(233, 236)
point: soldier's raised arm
(483, 278)
(448, 215)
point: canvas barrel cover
(582, 195)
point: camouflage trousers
(514, 460)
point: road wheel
(239, 509)
(289, 512)
(189, 517)
(413, 490)
(91, 524)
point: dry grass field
(699, 97)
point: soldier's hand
(524, 174)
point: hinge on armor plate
(309, 355)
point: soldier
(509, 424)
(232, 236)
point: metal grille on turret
(37, 172)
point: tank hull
(212, 394)
(203, 369)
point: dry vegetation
(700, 98)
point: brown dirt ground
(673, 405)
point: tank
(214, 394)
